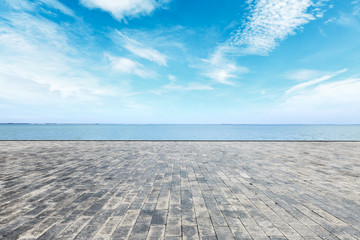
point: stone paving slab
(179, 190)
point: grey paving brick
(224, 233)
(71, 231)
(190, 232)
(121, 232)
(179, 190)
(159, 217)
(172, 238)
(156, 232)
(173, 226)
(140, 227)
(87, 232)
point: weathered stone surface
(179, 190)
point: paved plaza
(179, 190)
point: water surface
(178, 132)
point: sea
(240, 132)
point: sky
(180, 61)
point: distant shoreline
(195, 141)
(255, 124)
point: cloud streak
(324, 102)
(126, 65)
(55, 4)
(141, 50)
(24, 5)
(221, 70)
(193, 86)
(58, 75)
(329, 94)
(125, 8)
(303, 74)
(307, 84)
(270, 21)
(190, 86)
(329, 102)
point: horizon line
(64, 123)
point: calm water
(177, 132)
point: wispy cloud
(55, 4)
(303, 74)
(306, 84)
(332, 102)
(188, 87)
(19, 4)
(222, 73)
(330, 94)
(173, 85)
(25, 5)
(349, 20)
(126, 65)
(38, 62)
(222, 70)
(141, 50)
(329, 102)
(356, 4)
(125, 8)
(271, 21)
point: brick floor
(179, 190)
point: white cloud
(271, 21)
(222, 70)
(330, 20)
(43, 70)
(318, 101)
(141, 49)
(303, 74)
(171, 78)
(329, 95)
(188, 87)
(27, 33)
(147, 53)
(328, 102)
(349, 20)
(125, 8)
(174, 86)
(306, 84)
(332, 102)
(126, 65)
(222, 75)
(25, 5)
(59, 6)
(37, 63)
(20, 5)
(356, 10)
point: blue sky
(180, 61)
